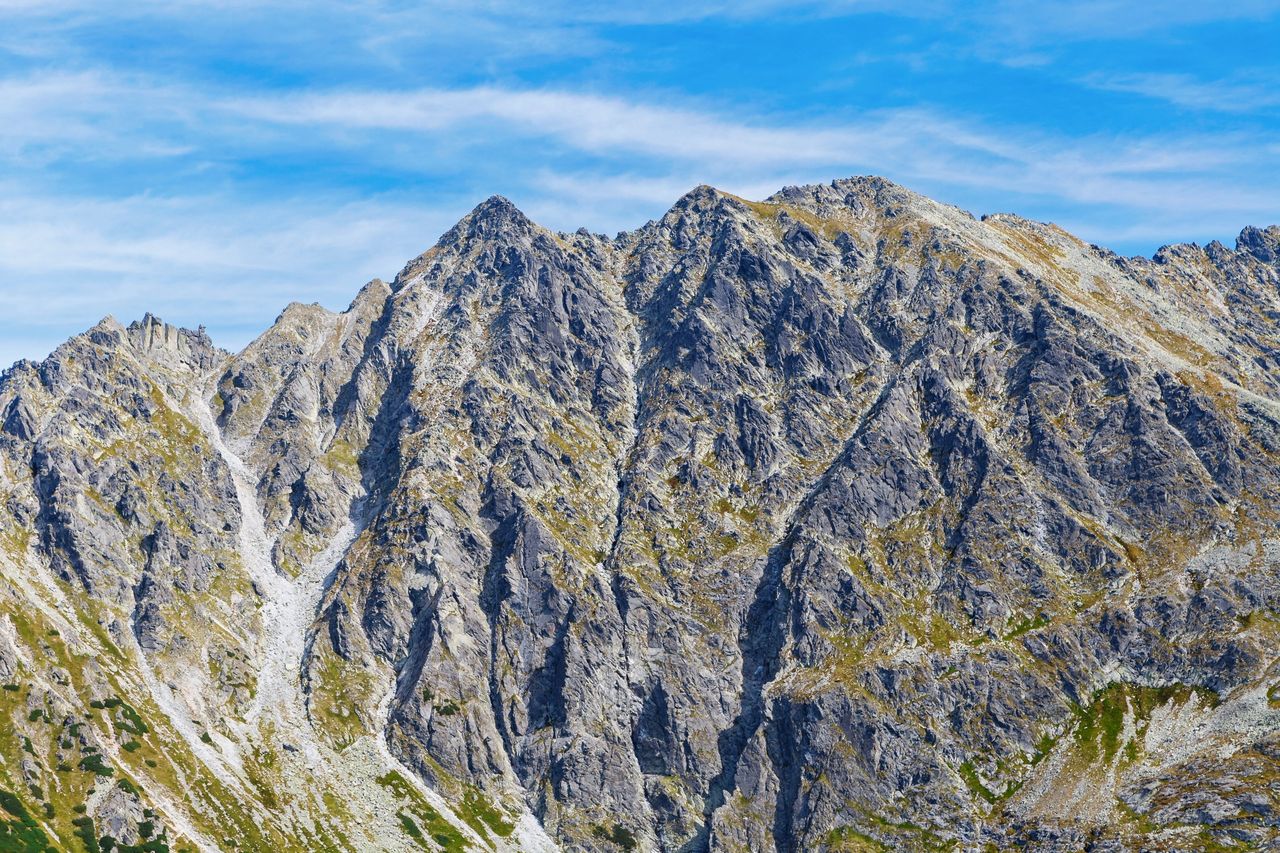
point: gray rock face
(838, 521)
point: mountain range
(839, 521)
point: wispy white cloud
(1245, 93)
(588, 122)
(1092, 15)
(1138, 171)
(98, 115)
(570, 24)
(220, 260)
(1106, 20)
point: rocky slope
(838, 521)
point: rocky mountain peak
(158, 339)
(494, 218)
(702, 196)
(838, 521)
(374, 292)
(1261, 243)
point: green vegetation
(846, 839)
(617, 834)
(62, 795)
(1140, 822)
(339, 689)
(1043, 747)
(443, 833)
(262, 781)
(130, 720)
(1026, 626)
(482, 816)
(974, 783)
(769, 212)
(1100, 725)
(412, 830)
(110, 845)
(84, 829)
(92, 763)
(343, 457)
(969, 774)
(909, 836)
(20, 832)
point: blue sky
(212, 161)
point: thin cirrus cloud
(219, 260)
(1112, 19)
(911, 143)
(1247, 93)
(97, 115)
